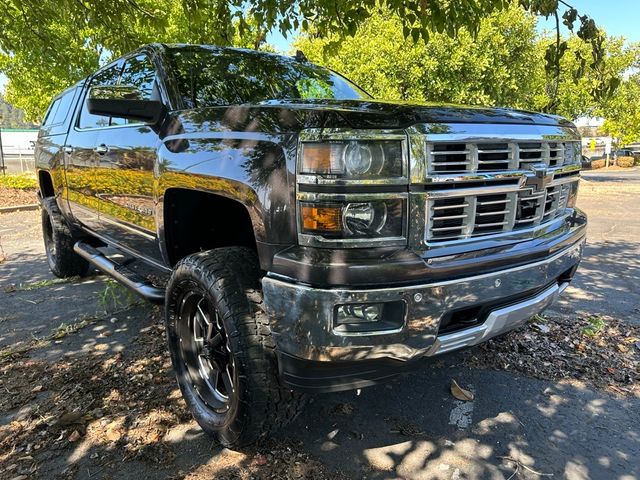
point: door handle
(68, 149)
(101, 149)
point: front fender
(248, 167)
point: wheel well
(196, 221)
(46, 184)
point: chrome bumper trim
(498, 321)
(302, 316)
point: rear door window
(58, 112)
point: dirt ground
(86, 389)
(11, 197)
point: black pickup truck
(314, 239)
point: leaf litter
(596, 350)
(121, 406)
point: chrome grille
(467, 157)
(456, 218)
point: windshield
(208, 76)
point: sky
(617, 17)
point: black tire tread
(267, 404)
(67, 262)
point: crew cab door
(83, 175)
(128, 155)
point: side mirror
(124, 101)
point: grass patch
(26, 287)
(115, 296)
(24, 181)
(596, 324)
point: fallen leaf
(259, 460)
(36, 389)
(459, 392)
(622, 348)
(114, 432)
(611, 370)
(542, 327)
(69, 418)
(75, 436)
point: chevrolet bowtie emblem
(541, 179)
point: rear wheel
(221, 347)
(59, 241)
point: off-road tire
(229, 279)
(59, 241)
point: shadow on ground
(132, 423)
(607, 282)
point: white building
(17, 149)
(18, 141)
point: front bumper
(314, 357)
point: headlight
(341, 222)
(353, 159)
(352, 187)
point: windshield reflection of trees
(207, 76)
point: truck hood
(402, 114)
(291, 116)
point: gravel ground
(90, 394)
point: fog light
(359, 313)
(363, 318)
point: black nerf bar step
(118, 272)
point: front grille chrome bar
(466, 213)
(474, 184)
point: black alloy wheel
(206, 351)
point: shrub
(25, 181)
(625, 162)
(598, 164)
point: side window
(63, 107)
(51, 113)
(109, 76)
(140, 73)
(59, 109)
(55, 119)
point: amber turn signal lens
(321, 219)
(317, 158)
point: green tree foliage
(503, 64)
(623, 112)
(591, 92)
(48, 44)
